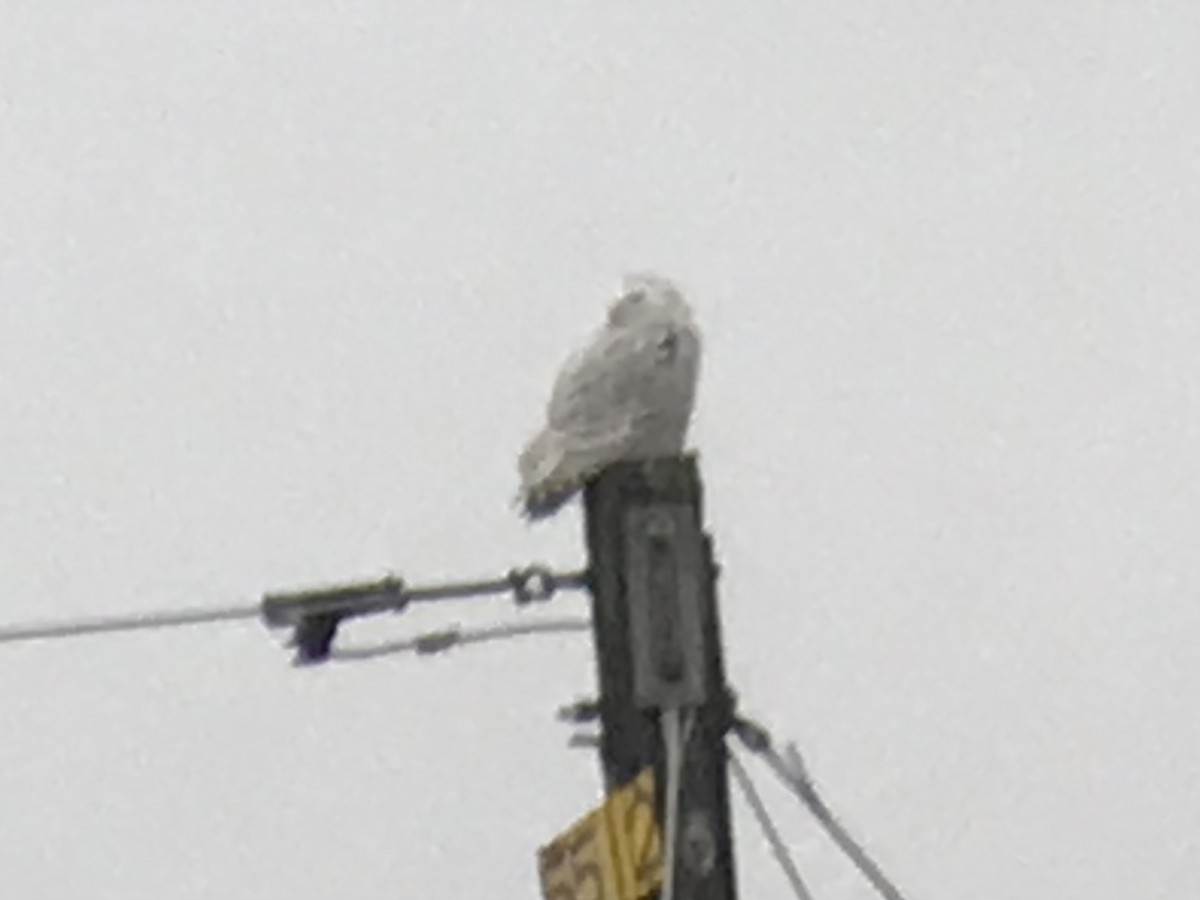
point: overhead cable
(147, 621)
(782, 856)
(444, 639)
(315, 613)
(794, 775)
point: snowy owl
(627, 395)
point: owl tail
(547, 479)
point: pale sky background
(283, 287)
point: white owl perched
(627, 395)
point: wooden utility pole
(658, 646)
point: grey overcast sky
(283, 286)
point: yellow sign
(612, 853)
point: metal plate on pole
(664, 569)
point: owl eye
(667, 347)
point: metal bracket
(665, 569)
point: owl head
(647, 297)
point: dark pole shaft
(658, 646)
